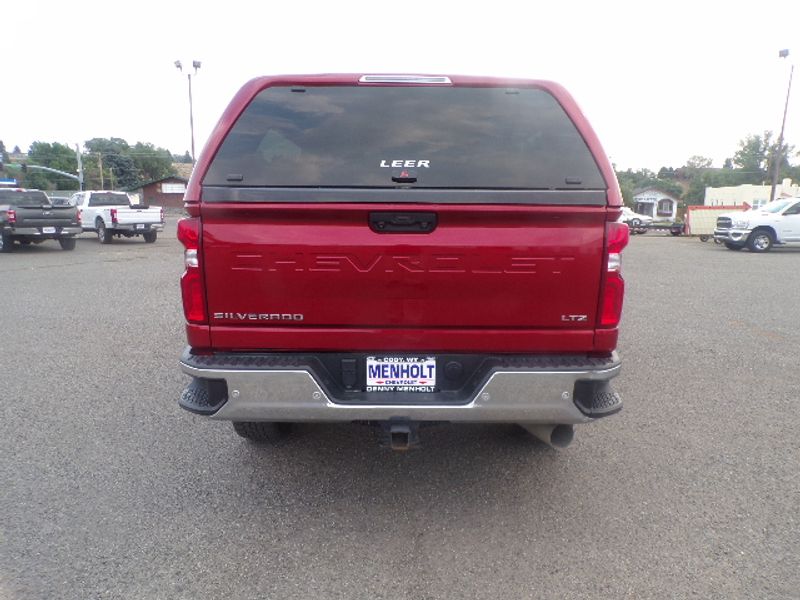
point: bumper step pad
(204, 396)
(597, 399)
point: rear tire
(67, 243)
(104, 236)
(760, 241)
(150, 236)
(6, 243)
(260, 431)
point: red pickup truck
(400, 249)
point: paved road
(108, 490)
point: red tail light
(80, 217)
(114, 216)
(12, 216)
(617, 236)
(192, 289)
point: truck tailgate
(131, 216)
(48, 216)
(492, 277)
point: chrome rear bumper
(536, 391)
(132, 227)
(37, 232)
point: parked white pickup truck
(112, 213)
(777, 223)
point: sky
(659, 81)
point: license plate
(140, 226)
(48, 229)
(401, 374)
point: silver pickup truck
(112, 213)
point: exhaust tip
(555, 436)
(562, 436)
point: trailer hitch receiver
(400, 435)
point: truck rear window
(108, 199)
(423, 137)
(24, 198)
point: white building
(655, 203)
(752, 195)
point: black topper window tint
(426, 137)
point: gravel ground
(109, 490)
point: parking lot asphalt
(109, 490)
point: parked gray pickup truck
(27, 216)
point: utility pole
(777, 166)
(100, 162)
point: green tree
(696, 191)
(699, 162)
(696, 172)
(3, 153)
(785, 169)
(113, 156)
(56, 156)
(123, 165)
(185, 159)
(752, 158)
(151, 163)
(122, 171)
(751, 163)
(666, 173)
(626, 187)
(632, 181)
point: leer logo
(405, 164)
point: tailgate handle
(402, 222)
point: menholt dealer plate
(401, 374)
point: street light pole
(196, 64)
(80, 167)
(776, 167)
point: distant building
(748, 194)
(167, 192)
(655, 203)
